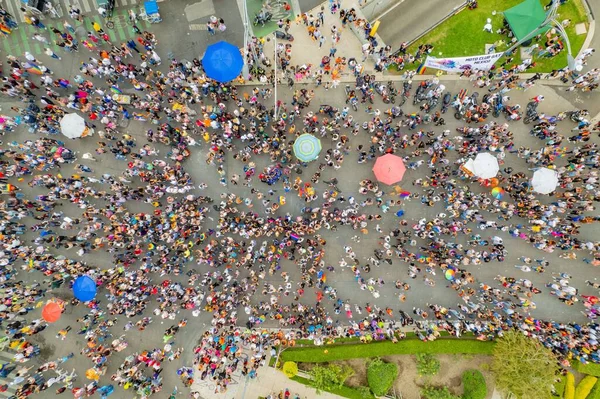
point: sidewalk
(270, 381)
(307, 51)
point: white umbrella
(72, 126)
(544, 180)
(485, 165)
(467, 167)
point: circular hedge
(474, 385)
(381, 376)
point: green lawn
(559, 387)
(383, 348)
(588, 368)
(344, 391)
(463, 35)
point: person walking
(40, 38)
(210, 28)
(75, 13)
(132, 46)
(51, 53)
(222, 27)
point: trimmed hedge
(595, 394)
(429, 392)
(381, 376)
(570, 386)
(331, 353)
(344, 391)
(474, 386)
(290, 369)
(588, 368)
(585, 387)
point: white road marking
(388, 10)
(198, 27)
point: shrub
(326, 378)
(437, 393)
(473, 385)
(427, 364)
(595, 394)
(585, 387)
(290, 369)
(381, 376)
(570, 386)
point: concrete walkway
(307, 51)
(271, 381)
(268, 381)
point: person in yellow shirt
(97, 28)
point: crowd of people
(191, 253)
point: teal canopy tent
(525, 18)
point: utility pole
(275, 75)
(549, 21)
(247, 37)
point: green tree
(430, 392)
(523, 366)
(290, 369)
(473, 385)
(326, 378)
(381, 376)
(427, 364)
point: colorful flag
(421, 69)
(33, 68)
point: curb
(382, 77)
(591, 30)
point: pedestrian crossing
(7, 357)
(20, 40)
(87, 7)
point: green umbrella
(307, 147)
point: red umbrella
(389, 169)
(51, 312)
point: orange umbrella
(389, 169)
(51, 312)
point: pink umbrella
(389, 169)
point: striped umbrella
(307, 147)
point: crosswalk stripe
(7, 46)
(6, 357)
(21, 39)
(86, 6)
(14, 10)
(24, 40)
(7, 394)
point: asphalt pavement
(409, 18)
(179, 35)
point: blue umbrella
(222, 62)
(84, 288)
(106, 390)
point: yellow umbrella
(92, 374)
